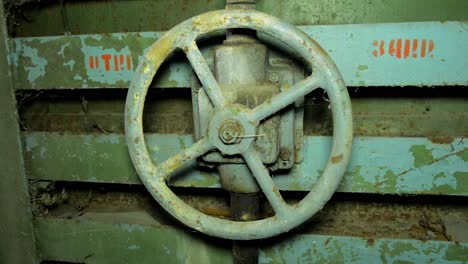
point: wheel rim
(183, 36)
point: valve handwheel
(231, 122)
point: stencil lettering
(109, 62)
(403, 48)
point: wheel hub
(231, 131)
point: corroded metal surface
(423, 54)
(100, 242)
(168, 111)
(325, 75)
(91, 241)
(87, 61)
(322, 249)
(378, 164)
(369, 216)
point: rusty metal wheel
(325, 75)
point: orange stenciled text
(403, 48)
(110, 62)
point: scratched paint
(389, 164)
(91, 241)
(336, 249)
(37, 62)
(348, 45)
(132, 228)
(378, 164)
(76, 241)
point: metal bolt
(285, 154)
(274, 77)
(228, 135)
(231, 132)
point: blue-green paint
(100, 74)
(110, 241)
(37, 64)
(86, 240)
(70, 64)
(388, 164)
(61, 52)
(350, 46)
(378, 164)
(340, 249)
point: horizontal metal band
(88, 241)
(396, 54)
(162, 15)
(378, 164)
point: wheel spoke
(203, 71)
(266, 183)
(287, 97)
(166, 169)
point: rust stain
(173, 165)
(337, 158)
(441, 140)
(196, 23)
(217, 211)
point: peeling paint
(37, 68)
(103, 74)
(61, 52)
(70, 63)
(422, 156)
(322, 249)
(31, 142)
(53, 237)
(463, 155)
(91, 241)
(53, 52)
(462, 180)
(362, 67)
(131, 228)
(384, 165)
